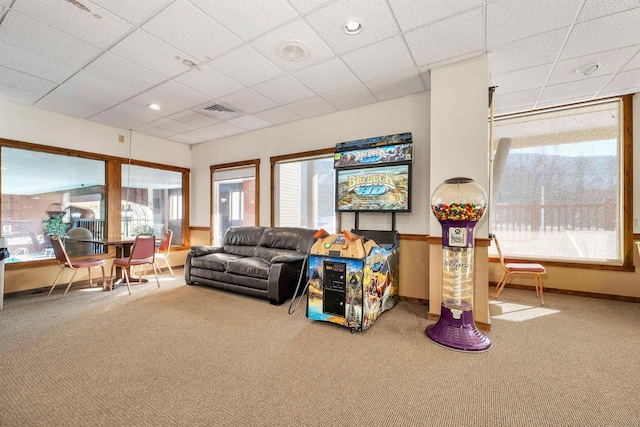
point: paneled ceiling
(108, 60)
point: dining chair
(142, 253)
(163, 250)
(510, 268)
(65, 262)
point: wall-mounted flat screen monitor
(374, 189)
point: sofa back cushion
(281, 238)
(242, 240)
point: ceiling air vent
(220, 111)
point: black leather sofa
(264, 262)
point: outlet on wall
(121, 139)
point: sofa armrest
(287, 258)
(284, 277)
(205, 250)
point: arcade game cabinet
(354, 276)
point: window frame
(626, 221)
(232, 165)
(296, 157)
(113, 183)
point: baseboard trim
(611, 297)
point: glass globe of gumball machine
(458, 204)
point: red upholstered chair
(142, 253)
(64, 262)
(510, 268)
(163, 250)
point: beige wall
(406, 114)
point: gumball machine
(458, 204)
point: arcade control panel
(342, 245)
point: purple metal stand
(457, 333)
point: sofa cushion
(252, 267)
(281, 238)
(216, 261)
(269, 253)
(243, 236)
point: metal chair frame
(64, 262)
(511, 268)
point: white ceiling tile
(66, 104)
(150, 52)
(129, 112)
(250, 122)
(283, 90)
(189, 29)
(326, 76)
(37, 65)
(311, 107)
(456, 36)
(18, 95)
(248, 19)
(178, 94)
(414, 13)
(611, 32)
(305, 6)
(380, 59)
(610, 62)
(141, 103)
(132, 11)
(247, 66)
(155, 131)
(297, 30)
(225, 129)
(120, 70)
(90, 88)
(172, 125)
(396, 85)
(517, 81)
(209, 81)
(194, 119)
(377, 23)
(248, 101)
(186, 139)
(26, 82)
(41, 40)
(278, 115)
(573, 90)
(623, 83)
(599, 8)
(518, 19)
(515, 101)
(203, 134)
(90, 22)
(526, 53)
(350, 97)
(634, 63)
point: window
(304, 191)
(152, 202)
(45, 193)
(234, 198)
(558, 184)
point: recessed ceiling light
(293, 50)
(352, 27)
(154, 106)
(588, 69)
